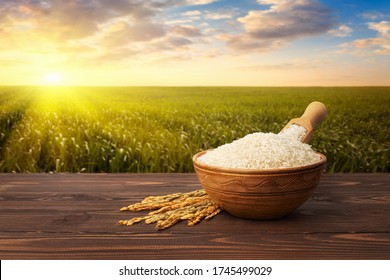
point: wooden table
(74, 216)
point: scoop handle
(314, 114)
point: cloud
(246, 43)
(129, 33)
(74, 19)
(190, 16)
(283, 21)
(288, 19)
(95, 30)
(178, 21)
(88, 29)
(200, 2)
(378, 45)
(285, 66)
(187, 31)
(341, 31)
(175, 42)
(383, 27)
(67, 20)
(174, 3)
(219, 15)
(373, 15)
(193, 13)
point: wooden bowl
(259, 194)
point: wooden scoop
(314, 114)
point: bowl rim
(198, 164)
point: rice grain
(264, 151)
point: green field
(141, 129)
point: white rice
(264, 151)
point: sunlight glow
(52, 78)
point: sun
(52, 78)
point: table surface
(74, 216)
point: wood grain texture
(73, 216)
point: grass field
(139, 129)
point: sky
(195, 42)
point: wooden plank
(73, 216)
(198, 246)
